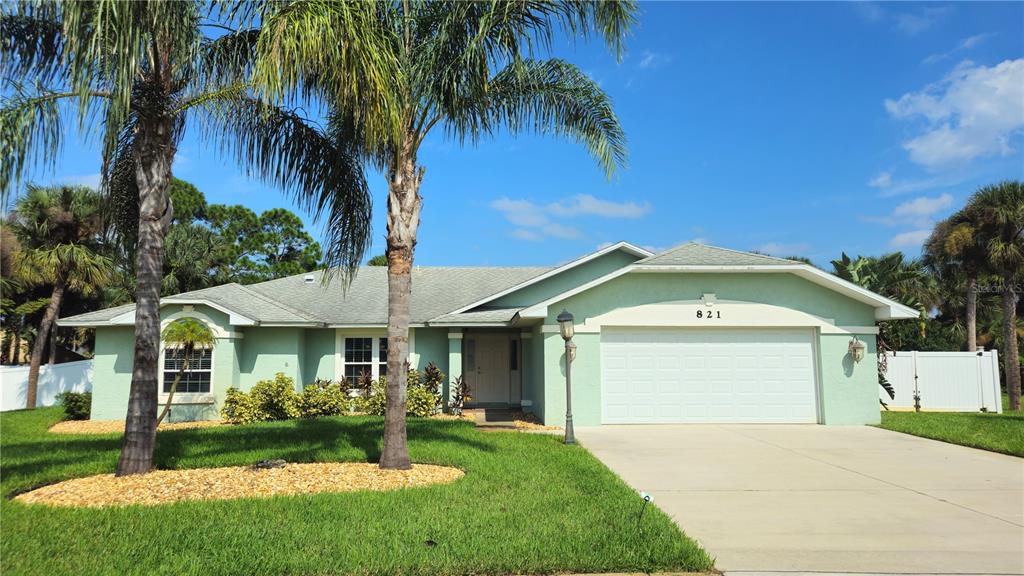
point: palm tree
(999, 211)
(149, 72)
(59, 230)
(184, 335)
(466, 68)
(954, 251)
(892, 275)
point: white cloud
(534, 222)
(910, 23)
(919, 212)
(529, 235)
(581, 204)
(784, 249)
(652, 60)
(914, 23)
(883, 180)
(965, 44)
(973, 112)
(912, 239)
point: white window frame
(187, 397)
(374, 353)
(376, 335)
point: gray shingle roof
(98, 315)
(693, 254)
(484, 316)
(436, 291)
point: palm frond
(31, 133)
(228, 59)
(323, 50)
(546, 97)
(322, 172)
(32, 44)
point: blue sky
(787, 128)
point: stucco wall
(318, 355)
(533, 371)
(112, 372)
(566, 280)
(266, 351)
(784, 290)
(847, 394)
(849, 391)
(431, 346)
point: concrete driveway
(826, 499)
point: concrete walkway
(826, 499)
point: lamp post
(565, 326)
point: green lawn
(989, 431)
(526, 505)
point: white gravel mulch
(165, 486)
(117, 426)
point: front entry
(487, 369)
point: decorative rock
(163, 486)
(266, 464)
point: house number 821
(711, 314)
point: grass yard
(526, 505)
(989, 431)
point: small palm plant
(186, 335)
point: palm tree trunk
(403, 221)
(154, 153)
(1011, 358)
(52, 338)
(49, 317)
(972, 314)
(174, 387)
(17, 342)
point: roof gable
(693, 254)
(561, 278)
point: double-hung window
(197, 376)
(365, 355)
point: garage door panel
(699, 375)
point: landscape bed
(527, 504)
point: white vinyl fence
(944, 381)
(53, 379)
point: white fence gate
(53, 379)
(944, 381)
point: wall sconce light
(857, 349)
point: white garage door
(707, 375)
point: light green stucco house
(693, 334)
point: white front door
(487, 368)
(707, 375)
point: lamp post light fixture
(566, 327)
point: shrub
(268, 400)
(276, 399)
(77, 405)
(418, 400)
(239, 408)
(323, 398)
(433, 378)
(412, 379)
(421, 402)
(373, 402)
(460, 395)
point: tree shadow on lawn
(305, 440)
